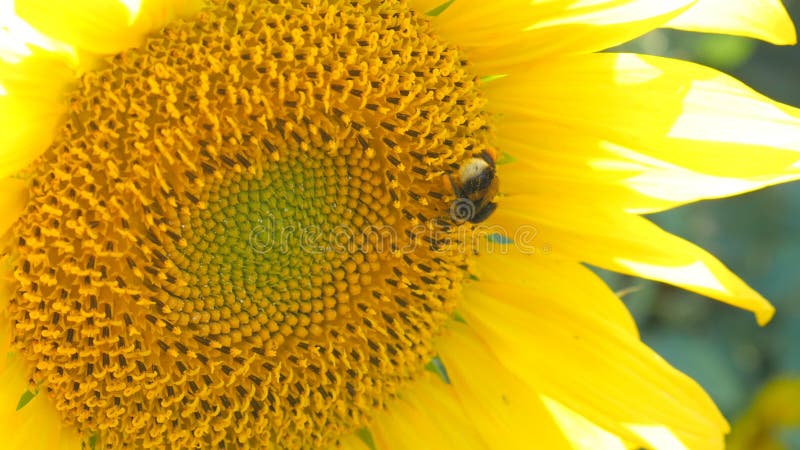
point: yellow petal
(13, 198)
(593, 171)
(102, 27)
(479, 24)
(587, 364)
(581, 432)
(426, 415)
(16, 36)
(584, 170)
(31, 108)
(499, 36)
(636, 121)
(531, 265)
(629, 244)
(760, 19)
(34, 73)
(502, 408)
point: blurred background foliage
(752, 373)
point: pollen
(240, 236)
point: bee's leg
(483, 213)
(488, 158)
(459, 193)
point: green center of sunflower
(241, 234)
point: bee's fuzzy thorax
(472, 169)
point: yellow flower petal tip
(767, 20)
(709, 278)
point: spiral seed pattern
(240, 235)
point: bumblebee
(475, 187)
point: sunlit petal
(760, 19)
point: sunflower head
(242, 232)
(258, 225)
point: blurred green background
(757, 235)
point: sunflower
(321, 224)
